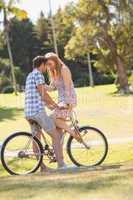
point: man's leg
(35, 150)
(37, 132)
(48, 125)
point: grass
(80, 185)
(98, 107)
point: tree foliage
(104, 27)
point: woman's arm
(66, 74)
(50, 87)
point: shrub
(99, 79)
(5, 85)
(131, 80)
(82, 81)
(103, 79)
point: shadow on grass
(76, 171)
(85, 184)
(117, 94)
(32, 186)
(9, 113)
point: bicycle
(19, 158)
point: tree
(108, 38)
(42, 28)
(8, 8)
(64, 24)
(43, 31)
(25, 43)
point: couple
(37, 97)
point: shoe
(63, 167)
(66, 167)
(46, 170)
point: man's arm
(45, 96)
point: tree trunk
(10, 53)
(111, 44)
(120, 67)
(122, 76)
(53, 29)
(90, 71)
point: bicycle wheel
(17, 155)
(94, 151)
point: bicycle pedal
(53, 160)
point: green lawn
(99, 184)
(98, 107)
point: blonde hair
(58, 62)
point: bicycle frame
(46, 149)
(73, 123)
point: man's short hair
(37, 61)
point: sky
(33, 7)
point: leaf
(11, 3)
(19, 13)
(2, 5)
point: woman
(61, 79)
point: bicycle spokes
(20, 156)
(91, 151)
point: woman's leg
(60, 131)
(61, 123)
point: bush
(103, 79)
(20, 76)
(99, 79)
(5, 85)
(82, 82)
(131, 80)
(5, 76)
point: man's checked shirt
(33, 100)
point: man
(36, 97)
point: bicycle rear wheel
(17, 155)
(94, 151)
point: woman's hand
(53, 107)
(50, 87)
(66, 107)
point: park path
(120, 140)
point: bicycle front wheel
(21, 154)
(92, 151)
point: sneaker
(66, 167)
(63, 167)
(46, 170)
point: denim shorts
(43, 121)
